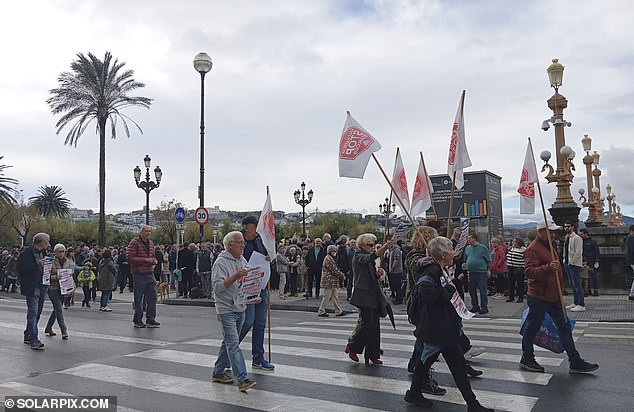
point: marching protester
(499, 267)
(54, 292)
(255, 316)
(368, 297)
(331, 276)
(30, 269)
(545, 278)
(140, 254)
(107, 279)
(515, 260)
(438, 326)
(227, 272)
(573, 261)
(315, 261)
(85, 279)
(478, 263)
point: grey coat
(366, 291)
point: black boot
(473, 372)
(414, 394)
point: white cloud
(285, 73)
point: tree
(6, 191)
(165, 222)
(50, 201)
(96, 90)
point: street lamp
(147, 185)
(592, 202)
(202, 64)
(387, 210)
(301, 200)
(564, 208)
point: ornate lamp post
(147, 185)
(387, 210)
(611, 198)
(564, 208)
(302, 200)
(202, 64)
(593, 191)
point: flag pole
(453, 186)
(389, 202)
(400, 202)
(550, 241)
(268, 296)
(433, 205)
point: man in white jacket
(572, 259)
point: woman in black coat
(438, 325)
(369, 298)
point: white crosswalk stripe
(315, 339)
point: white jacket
(575, 249)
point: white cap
(551, 225)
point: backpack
(415, 304)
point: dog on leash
(162, 290)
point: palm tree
(50, 201)
(96, 90)
(6, 191)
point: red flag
(266, 226)
(421, 199)
(458, 154)
(355, 148)
(399, 182)
(528, 179)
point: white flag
(421, 199)
(528, 179)
(458, 154)
(399, 182)
(266, 226)
(355, 148)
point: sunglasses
(370, 244)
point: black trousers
(516, 275)
(313, 278)
(367, 334)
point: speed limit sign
(201, 216)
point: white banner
(66, 282)
(355, 148)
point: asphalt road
(169, 368)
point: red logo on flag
(354, 142)
(402, 181)
(453, 144)
(419, 186)
(526, 189)
(269, 226)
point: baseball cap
(551, 225)
(249, 220)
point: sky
(285, 73)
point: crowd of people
(424, 273)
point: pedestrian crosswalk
(312, 372)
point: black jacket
(29, 271)
(439, 322)
(315, 264)
(366, 292)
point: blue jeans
(255, 317)
(230, 354)
(478, 282)
(537, 309)
(105, 297)
(32, 303)
(55, 295)
(206, 281)
(577, 291)
(40, 301)
(144, 287)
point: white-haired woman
(54, 292)
(367, 296)
(438, 325)
(331, 276)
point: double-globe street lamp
(202, 64)
(302, 200)
(564, 208)
(147, 185)
(592, 202)
(387, 210)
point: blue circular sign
(179, 214)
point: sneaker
(572, 305)
(246, 384)
(473, 352)
(418, 399)
(431, 386)
(107, 309)
(530, 364)
(154, 324)
(100, 309)
(483, 311)
(582, 366)
(474, 373)
(139, 325)
(263, 364)
(578, 308)
(342, 313)
(222, 378)
(37, 345)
